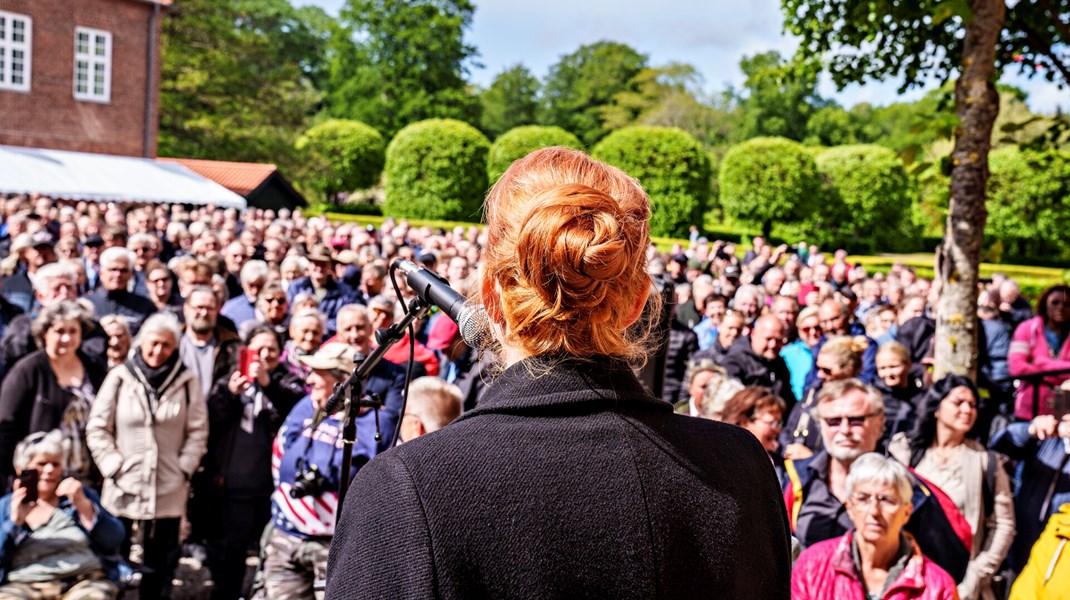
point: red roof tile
(238, 177)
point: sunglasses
(854, 421)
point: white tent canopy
(106, 178)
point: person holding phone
(245, 412)
(56, 541)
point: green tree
(975, 41)
(673, 168)
(873, 186)
(582, 83)
(409, 64)
(769, 180)
(235, 80)
(779, 99)
(348, 155)
(521, 141)
(831, 126)
(1029, 200)
(510, 101)
(436, 169)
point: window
(92, 65)
(15, 45)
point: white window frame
(92, 60)
(9, 46)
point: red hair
(565, 261)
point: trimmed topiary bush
(521, 141)
(673, 168)
(876, 193)
(342, 155)
(769, 180)
(1029, 201)
(436, 169)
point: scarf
(155, 376)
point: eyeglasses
(854, 421)
(824, 370)
(279, 300)
(770, 422)
(812, 328)
(888, 503)
(159, 281)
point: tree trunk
(958, 259)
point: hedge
(673, 168)
(436, 169)
(342, 155)
(521, 141)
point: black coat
(749, 368)
(32, 400)
(573, 484)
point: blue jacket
(314, 515)
(1044, 465)
(105, 537)
(338, 295)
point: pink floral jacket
(826, 570)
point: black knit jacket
(572, 484)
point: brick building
(81, 75)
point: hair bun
(572, 248)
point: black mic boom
(472, 320)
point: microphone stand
(387, 337)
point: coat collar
(911, 578)
(538, 383)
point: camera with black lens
(308, 481)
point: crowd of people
(165, 369)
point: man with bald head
(835, 320)
(755, 359)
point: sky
(712, 35)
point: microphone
(472, 320)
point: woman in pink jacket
(876, 559)
(1039, 344)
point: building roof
(239, 177)
(107, 178)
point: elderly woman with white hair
(148, 429)
(876, 558)
(56, 540)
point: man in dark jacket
(113, 298)
(634, 501)
(755, 359)
(320, 283)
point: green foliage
(922, 40)
(235, 80)
(673, 168)
(767, 180)
(400, 62)
(436, 169)
(521, 141)
(582, 83)
(876, 193)
(349, 154)
(1029, 201)
(780, 98)
(510, 101)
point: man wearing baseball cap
(306, 466)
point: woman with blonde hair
(568, 466)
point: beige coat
(992, 534)
(147, 466)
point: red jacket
(827, 571)
(1028, 354)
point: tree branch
(1063, 28)
(1045, 50)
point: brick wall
(49, 116)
